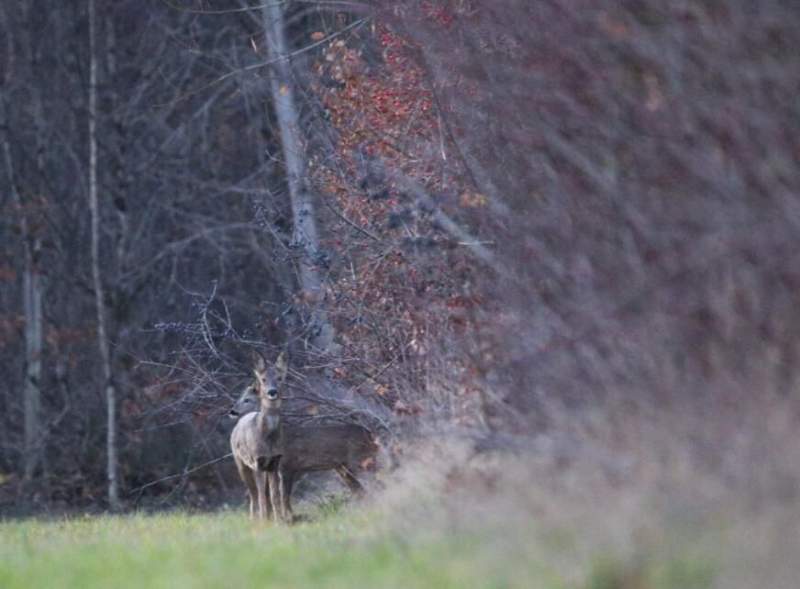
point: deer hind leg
(249, 480)
(287, 483)
(349, 479)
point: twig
(180, 474)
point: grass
(339, 548)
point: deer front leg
(264, 465)
(261, 484)
(275, 489)
(275, 495)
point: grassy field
(344, 548)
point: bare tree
(32, 284)
(32, 305)
(32, 297)
(102, 334)
(305, 235)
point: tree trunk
(102, 334)
(32, 296)
(32, 307)
(305, 235)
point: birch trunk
(32, 308)
(31, 295)
(305, 235)
(102, 332)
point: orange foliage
(396, 293)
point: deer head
(263, 392)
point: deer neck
(269, 418)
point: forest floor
(336, 547)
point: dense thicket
(639, 163)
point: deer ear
(260, 366)
(281, 366)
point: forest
(547, 253)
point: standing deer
(345, 449)
(256, 440)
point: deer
(256, 440)
(345, 449)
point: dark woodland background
(556, 229)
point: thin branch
(186, 472)
(350, 3)
(462, 236)
(269, 62)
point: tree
(102, 329)
(32, 305)
(30, 229)
(305, 234)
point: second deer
(345, 449)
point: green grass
(342, 548)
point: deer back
(323, 447)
